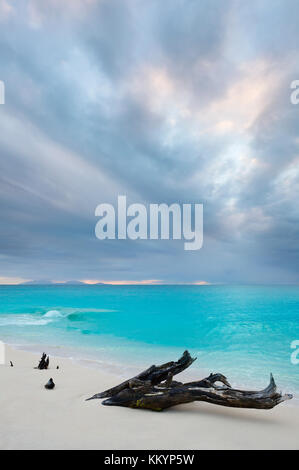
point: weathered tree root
(156, 390)
(44, 362)
(153, 375)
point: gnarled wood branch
(156, 390)
(44, 362)
(153, 375)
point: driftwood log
(44, 362)
(156, 390)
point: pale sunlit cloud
(155, 87)
(233, 112)
(238, 222)
(162, 103)
(64, 172)
(12, 280)
(39, 12)
(245, 99)
(90, 281)
(6, 9)
(201, 283)
(286, 183)
(123, 283)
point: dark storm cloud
(175, 101)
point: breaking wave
(53, 314)
(74, 313)
(42, 319)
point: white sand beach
(32, 417)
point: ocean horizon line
(140, 284)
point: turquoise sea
(244, 332)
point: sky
(162, 101)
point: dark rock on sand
(50, 385)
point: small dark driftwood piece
(44, 362)
(156, 390)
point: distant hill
(40, 282)
(73, 283)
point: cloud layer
(173, 101)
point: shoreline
(35, 418)
(123, 370)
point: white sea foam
(53, 314)
(23, 320)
